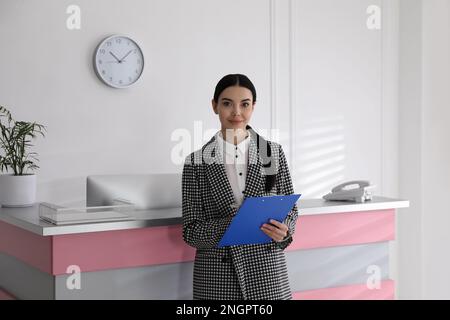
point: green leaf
(15, 141)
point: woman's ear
(214, 106)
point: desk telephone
(342, 192)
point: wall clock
(119, 61)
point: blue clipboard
(253, 213)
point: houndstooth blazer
(248, 272)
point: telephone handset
(342, 192)
(361, 184)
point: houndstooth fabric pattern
(244, 272)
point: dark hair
(232, 80)
(266, 159)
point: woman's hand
(276, 230)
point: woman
(236, 163)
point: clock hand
(115, 57)
(126, 55)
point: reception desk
(340, 251)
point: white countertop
(28, 218)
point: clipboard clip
(234, 205)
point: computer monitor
(145, 191)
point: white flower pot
(17, 191)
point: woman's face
(234, 107)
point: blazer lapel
(218, 180)
(253, 182)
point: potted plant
(17, 188)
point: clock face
(119, 61)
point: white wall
(47, 76)
(436, 149)
(425, 151)
(338, 98)
(409, 221)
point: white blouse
(235, 158)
